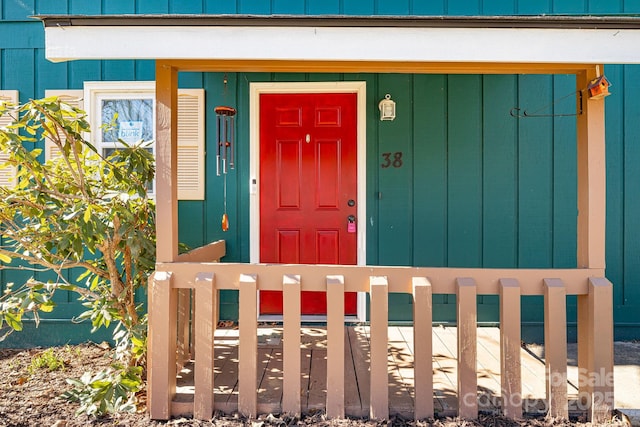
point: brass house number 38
(391, 159)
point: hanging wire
(225, 217)
(515, 111)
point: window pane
(134, 122)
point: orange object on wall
(599, 87)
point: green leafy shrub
(78, 212)
(108, 391)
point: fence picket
(248, 346)
(205, 329)
(422, 347)
(291, 344)
(467, 348)
(510, 371)
(555, 347)
(335, 346)
(183, 336)
(601, 349)
(379, 403)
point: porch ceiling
(532, 44)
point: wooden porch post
(166, 162)
(163, 299)
(591, 248)
(590, 128)
(591, 176)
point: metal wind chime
(225, 117)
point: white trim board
(357, 87)
(320, 43)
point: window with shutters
(125, 111)
(7, 174)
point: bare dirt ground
(29, 396)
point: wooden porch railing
(173, 283)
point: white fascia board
(502, 45)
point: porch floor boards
(400, 369)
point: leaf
(94, 283)
(100, 384)
(70, 216)
(5, 258)
(84, 274)
(130, 385)
(87, 214)
(47, 306)
(137, 342)
(14, 321)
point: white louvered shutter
(70, 96)
(191, 144)
(8, 174)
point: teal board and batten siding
(476, 187)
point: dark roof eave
(528, 21)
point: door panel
(327, 246)
(308, 175)
(328, 179)
(290, 166)
(289, 246)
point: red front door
(308, 187)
